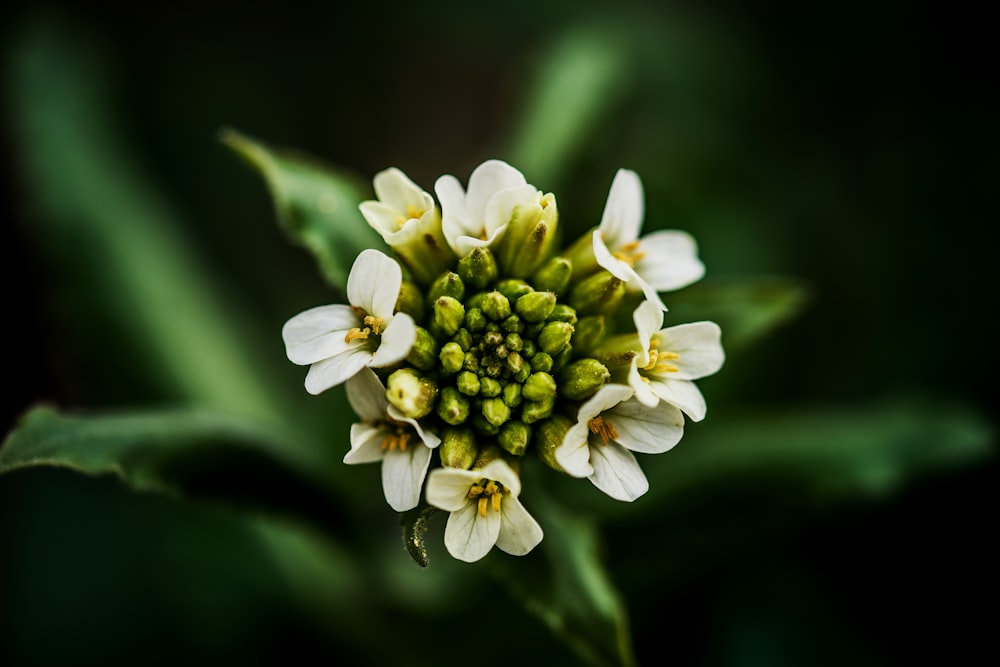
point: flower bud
(581, 379)
(410, 301)
(539, 387)
(489, 454)
(423, 354)
(581, 256)
(447, 284)
(496, 411)
(533, 411)
(458, 448)
(513, 341)
(467, 383)
(488, 387)
(475, 320)
(554, 336)
(561, 359)
(514, 437)
(452, 357)
(589, 333)
(511, 394)
(529, 236)
(496, 306)
(541, 361)
(600, 294)
(514, 288)
(478, 268)
(535, 306)
(562, 313)
(453, 407)
(411, 394)
(549, 434)
(512, 324)
(553, 276)
(448, 314)
(463, 338)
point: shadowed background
(838, 147)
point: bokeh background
(843, 148)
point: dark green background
(848, 145)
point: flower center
(411, 212)
(399, 439)
(487, 493)
(605, 429)
(629, 253)
(372, 326)
(659, 360)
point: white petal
(318, 333)
(573, 454)
(469, 536)
(617, 473)
(486, 180)
(382, 217)
(397, 341)
(454, 216)
(682, 393)
(448, 488)
(500, 208)
(643, 392)
(331, 372)
(519, 532)
(366, 443)
(396, 189)
(366, 395)
(427, 437)
(671, 260)
(699, 346)
(374, 282)
(616, 267)
(500, 470)
(623, 211)
(644, 429)
(403, 472)
(648, 319)
(465, 244)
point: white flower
(337, 341)
(609, 427)
(671, 358)
(484, 511)
(386, 435)
(478, 217)
(659, 262)
(409, 222)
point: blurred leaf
(581, 80)
(190, 452)
(746, 308)
(135, 279)
(316, 205)
(571, 591)
(414, 525)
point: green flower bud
(589, 333)
(423, 354)
(410, 301)
(447, 284)
(512, 324)
(581, 257)
(467, 383)
(463, 338)
(489, 454)
(452, 357)
(475, 320)
(471, 362)
(482, 425)
(511, 394)
(411, 394)
(488, 387)
(549, 434)
(478, 268)
(513, 341)
(600, 294)
(514, 288)
(453, 407)
(562, 313)
(528, 349)
(554, 336)
(535, 306)
(448, 314)
(458, 448)
(539, 386)
(523, 373)
(533, 411)
(560, 360)
(554, 276)
(496, 306)
(529, 236)
(514, 437)
(581, 379)
(495, 411)
(514, 361)
(541, 362)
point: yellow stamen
(377, 324)
(605, 429)
(491, 487)
(482, 506)
(357, 332)
(629, 253)
(475, 491)
(496, 502)
(665, 368)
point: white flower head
(484, 510)
(386, 435)
(479, 216)
(659, 262)
(609, 427)
(670, 359)
(337, 341)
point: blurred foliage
(826, 511)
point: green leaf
(316, 205)
(566, 585)
(188, 452)
(414, 525)
(746, 308)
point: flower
(609, 427)
(669, 359)
(659, 262)
(337, 341)
(410, 223)
(484, 511)
(478, 217)
(386, 435)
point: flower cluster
(482, 342)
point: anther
(357, 332)
(482, 506)
(496, 501)
(605, 429)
